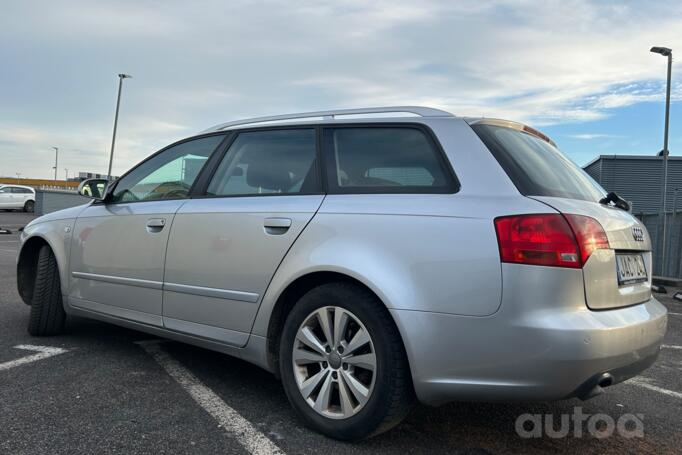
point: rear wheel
(342, 363)
(29, 206)
(47, 312)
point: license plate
(630, 268)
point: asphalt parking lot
(97, 389)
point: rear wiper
(617, 201)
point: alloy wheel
(334, 362)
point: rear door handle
(277, 226)
(155, 224)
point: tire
(391, 394)
(47, 312)
(29, 206)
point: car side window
(168, 175)
(385, 160)
(5, 189)
(268, 162)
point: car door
(6, 197)
(225, 247)
(20, 196)
(119, 246)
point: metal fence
(48, 201)
(673, 245)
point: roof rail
(329, 115)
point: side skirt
(254, 352)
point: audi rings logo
(638, 233)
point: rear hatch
(614, 276)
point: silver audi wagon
(368, 258)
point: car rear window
(536, 167)
(385, 159)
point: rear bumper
(542, 354)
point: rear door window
(385, 159)
(268, 162)
(536, 167)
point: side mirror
(93, 188)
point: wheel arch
(50, 234)
(293, 292)
(26, 266)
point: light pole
(66, 174)
(56, 159)
(113, 137)
(666, 52)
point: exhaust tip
(606, 380)
(595, 386)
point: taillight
(549, 239)
(589, 234)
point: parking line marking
(643, 382)
(671, 346)
(44, 352)
(246, 434)
(675, 314)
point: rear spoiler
(513, 125)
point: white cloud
(198, 64)
(590, 136)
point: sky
(578, 70)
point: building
(639, 180)
(89, 175)
(40, 183)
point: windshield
(536, 167)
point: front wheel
(47, 312)
(343, 364)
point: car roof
(332, 116)
(2, 185)
(366, 114)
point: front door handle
(155, 224)
(276, 226)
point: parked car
(13, 197)
(366, 260)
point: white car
(17, 197)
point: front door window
(168, 175)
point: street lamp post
(666, 52)
(56, 159)
(113, 137)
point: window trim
(453, 185)
(201, 191)
(110, 189)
